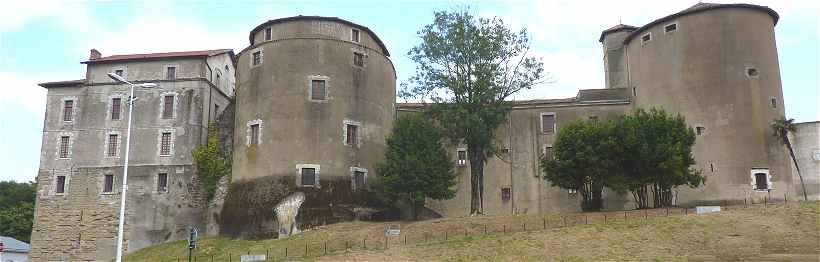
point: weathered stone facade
(84, 141)
(806, 144)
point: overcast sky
(43, 41)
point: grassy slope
(777, 232)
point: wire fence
(312, 248)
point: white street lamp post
(124, 190)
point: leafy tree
(211, 163)
(584, 158)
(468, 67)
(416, 164)
(17, 209)
(656, 156)
(782, 127)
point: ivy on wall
(211, 162)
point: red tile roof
(203, 53)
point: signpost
(192, 241)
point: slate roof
(14, 245)
(619, 27)
(149, 56)
(701, 7)
(62, 83)
(322, 18)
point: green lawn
(776, 232)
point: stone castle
(306, 108)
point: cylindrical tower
(315, 101)
(716, 64)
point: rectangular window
(68, 110)
(354, 35)
(256, 58)
(162, 182)
(168, 107)
(352, 135)
(108, 184)
(593, 118)
(700, 130)
(506, 194)
(646, 38)
(773, 102)
(358, 59)
(268, 34)
(119, 72)
(670, 27)
(254, 134)
(318, 89)
(761, 181)
(60, 186)
(461, 157)
(64, 143)
(116, 108)
(165, 144)
(358, 180)
(112, 145)
(308, 176)
(171, 72)
(547, 123)
(548, 155)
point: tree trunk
(476, 155)
(791, 153)
(641, 197)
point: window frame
(159, 187)
(773, 102)
(115, 108)
(552, 151)
(249, 132)
(459, 161)
(666, 27)
(700, 130)
(108, 145)
(164, 110)
(68, 112)
(325, 96)
(268, 34)
(646, 41)
(60, 189)
(161, 145)
(358, 59)
(64, 143)
(171, 72)
(106, 188)
(316, 175)
(353, 172)
(767, 174)
(554, 122)
(257, 53)
(506, 194)
(355, 35)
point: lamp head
(117, 78)
(148, 85)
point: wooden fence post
(604, 218)
(544, 222)
(565, 221)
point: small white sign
(392, 230)
(707, 209)
(251, 258)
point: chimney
(94, 55)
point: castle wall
(701, 70)
(806, 144)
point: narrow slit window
(116, 108)
(64, 146)
(318, 89)
(108, 184)
(165, 144)
(168, 107)
(113, 146)
(162, 182)
(171, 72)
(60, 186)
(254, 134)
(308, 177)
(68, 110)
(352, 135)
(268, 34)
(773, 102)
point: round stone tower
(315, 101)
(716, 64)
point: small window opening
(548, 152)
(257, 58)
(112, 145)
(116, 108)
(506, 194)
(308, 176)
(168, 107)
(358, 59)
(761, 181)
(646, 38)
(108, 184)
(752, 72)
(358, 180)
(254, 134)
(162, 182)
(712, 167)
(461, 157)
(318, 90)
(60, 187)
(165, 145)
(634, 91)
(593, 118)
(354, 35)
(68, 110)
(700, 130)
(773, 102)
(670, 27)
(268, 34)
(64, 143)
(119, 72)
(171, 73)
(352, 134)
